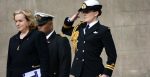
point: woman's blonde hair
(29, 17)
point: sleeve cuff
(68, 23)
(108, 72)
(109, 69)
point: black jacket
(27, 54)
(87, 61)
(60, 55)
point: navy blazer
(60, 55)
(87, 61)
(27, 54)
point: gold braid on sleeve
(74, 37)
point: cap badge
(83, 6)
(38, 17)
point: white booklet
(33, 73)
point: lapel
(49, 40)
(93, 29)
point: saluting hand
(103, 75)
(74, 17)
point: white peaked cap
(43, 14)
(91, 2)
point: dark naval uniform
(89, 46)
(27, 54)
(60, 56)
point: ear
(96, 13)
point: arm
(67, 27)
(8, 60)
(64, 57)
(110, 51)
(42, 49)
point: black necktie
(86, 28)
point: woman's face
(89, 16)
(21, 22)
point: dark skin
(46, 28)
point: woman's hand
(103, 75)
(74, 17)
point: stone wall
(129, 21)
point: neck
(95, 19)
(48, 32)
(24, 33)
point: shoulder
(36, 33)
(13, 37)
(16, 36)
(61, 38)
(103, 28)
(81, 24)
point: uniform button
(77, 58)
(82, 50)
(82, 59)
(54, 73)
(84, 42)
(77, 49)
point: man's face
(46, 28)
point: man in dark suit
(89, 38)
(60, 50)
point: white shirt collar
(49, 34)
(92, 23)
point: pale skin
(22, 25)
(87, 17)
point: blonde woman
(28, 48)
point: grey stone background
(129, 21)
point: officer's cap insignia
(83, 6)
(38, 17)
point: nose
(39, 28)
(17, 23)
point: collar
(49, 34)
(92, 23)
(28, 34)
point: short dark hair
(43, 20)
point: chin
(86, 20)
(19, 29)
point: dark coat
(60, 55)
(87, 61)
(27, 54)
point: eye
(20, 20)
(15, 21)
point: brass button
(35, 66)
